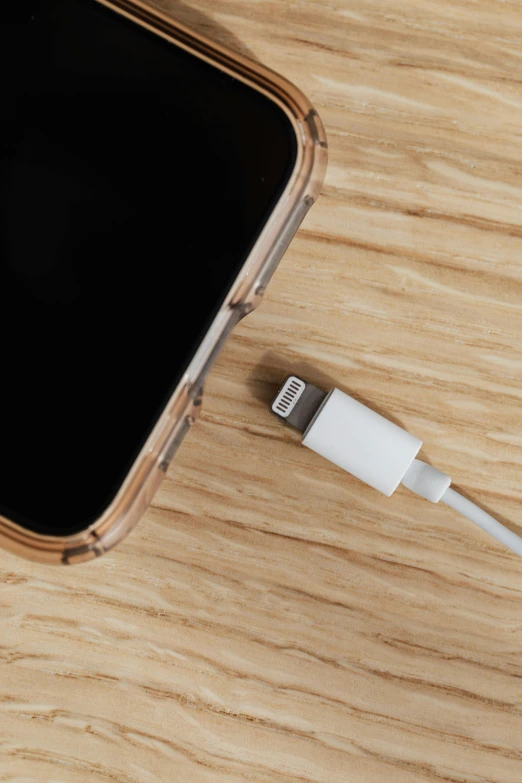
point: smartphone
(150, 181)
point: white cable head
(349, 434)
(362, 442)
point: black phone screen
(134, 179)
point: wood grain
(271, 619)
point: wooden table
(271, 619)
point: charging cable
(374, 450)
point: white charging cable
(374, 450)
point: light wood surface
(271, 619)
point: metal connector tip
(297, 402)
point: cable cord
(483, 520)
(432, 484)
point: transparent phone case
(246, 293)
